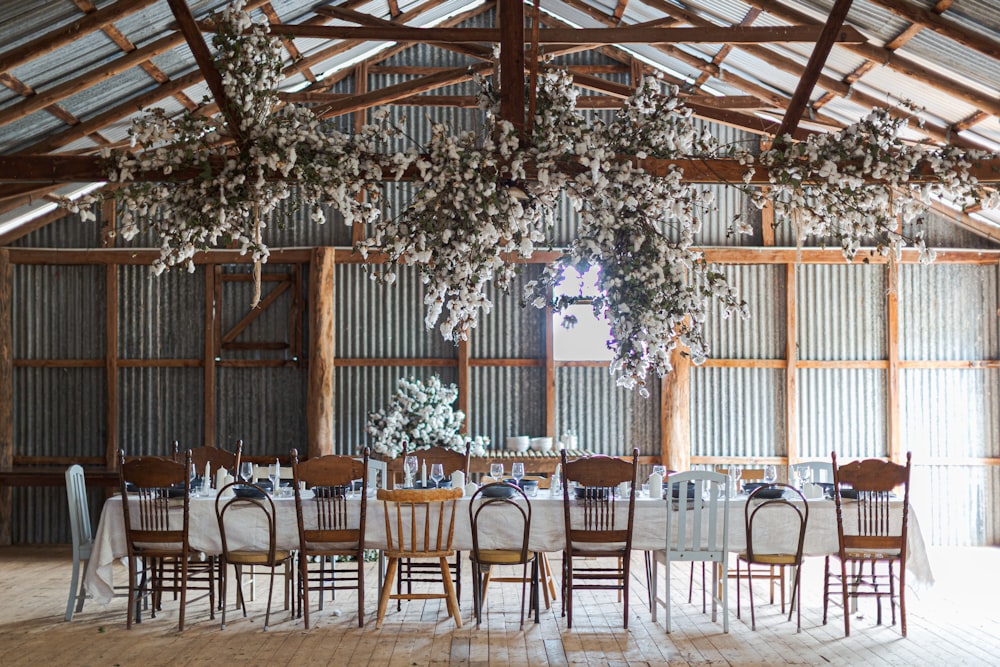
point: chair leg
(568, 589)
(902, 598)
(666, 600)
(739, 604)
(74, 584)
(477, 591)
(753, 615)
(843, 595)
(223, 581)
(383, 599)
(361, 588)
(304, 587)
(625, 564)
(184, 580)
(270, 596)
(449, 590)
(653, 588)
(826, 586)
(132, 592)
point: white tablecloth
(547, 533)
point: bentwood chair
(697, 531)
(419, 524)
(156, 504)
(871, 532)
(423, 572)
(501, 503)
(83, 536)
(597, 526)
(328, 527)
(248, 504)
(765, 510)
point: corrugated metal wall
(737, 412)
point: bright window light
(587, 339)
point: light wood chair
(419, 524)
(869, 537)
(596, 527)
(789, 556)
(326, 527)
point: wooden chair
(217, 458)
(871, 536)
(595, 527)
(419, 524)
(514, 507)
(757, 512)
(327, 528)
(258, 508)
(694, 535)
(156, 531)
(424, 572)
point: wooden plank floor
(955, 622)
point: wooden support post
(210, 352)
(675, 413)
(111, 443)
(6, 392)
(510, 15)
(463, 381)
(892, 339)
(319, 401)
(767, 221)
(550, 371)
(791, 369)
(360, 88)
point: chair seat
(769, 559)
(246, 557)
(870, 555)
(499, 557)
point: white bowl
(518, 443)
(541, 444)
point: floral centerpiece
(420, 416)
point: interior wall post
(892, 341)
(791, 368)
(6, 392)
(111, 442)
(210, 352)
(322, 336)
(675, 413)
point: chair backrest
(746, 474)
(449, 459)
(148, 487)
(217, 458)
(872, 481)
(770, 513)
(79, 512)
(502, 508)
(822, 471)
(331, 479)
(378, 472)
(260, 504)
(700, 502)
(419, 523)
(592, 514)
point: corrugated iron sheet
(149, 308)
(158, 406)
(762, 336)
(737, 412)
(842, 410)
(505, 402)
(956, 505)
(841, 311)
(511, 330)
(263, 407)
(950, 412)
(58, 312)
(59, 411)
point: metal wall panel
(607, 418)
(263, 407)
(762, 336)
(158, 406)
(273, 324)
(956, 505)
(842, 410)
(363, 389)
(511, 330)
(505, 402)
(40, 515)
(841, 312)
(948, 312)
(67, 232)
(149, 309)
(59, 411)
(737, 412)
(58, 312)
(950, 412)
(384, 321)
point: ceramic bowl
(518, 443)
(541, 444)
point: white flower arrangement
(420, 416)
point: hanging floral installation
(482, 199)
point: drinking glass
(770, 474)
(734, 479)
(662, 470)
(246, 471)
(410, 470)
(437, 474)
(274, 474)
(517, 472)
(807, 475)
(496, 472)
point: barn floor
(954, 622)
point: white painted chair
(694, 535)
(822, 471)
(83, 537)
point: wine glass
(517, 472)
(734, 479)
(437, 474)
(410, 466)
(661, 470)
(496, 472)
(807, 475)
(770, 474)
(246, 471)
(274, 474)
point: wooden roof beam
(932, 20)
(726, 49)
(625, 35)
(800, 98)
(56, 39)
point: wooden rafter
(726, 49)
(510, 16)
(814, 68)
(289, 45)
(911, 30)
(932, 20)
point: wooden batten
(322, 336)
(6, 391)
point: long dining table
(547, 532)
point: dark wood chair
(155, 504)
(216, 458)
(328, 527)
(424, 572)
(596, 527)
(419, 524)
(251, 499)
(771, 509)
(871, 536)
(503, 503)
